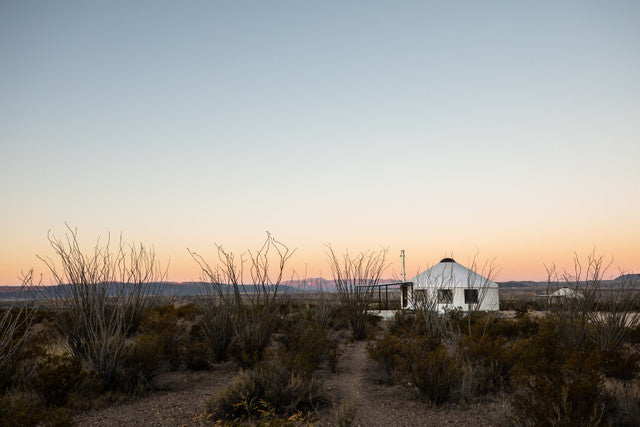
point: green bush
(264, 392)
(55, 378)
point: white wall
(488, 299)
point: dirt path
(392, 405)
(347, 381)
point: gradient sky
(505, 127)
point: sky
(505, 129)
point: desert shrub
(491, 352)
(356, 278)
(534, 352)
(425, 366)
(325, 314)
(137, 364)
(632, 334)
(140, 364)
(560, 393)
(252, 331)
(385, 352)
(625, 402)
(55, 378)
(188, 311)
(21, 365)
(197, 352)
(14, 330)
(266, 391)
(361, 323)
(197, 356)
(521, 307)
(523, 327)
(466, 322)
(170, 333)
(554, 385)
(357, 321)
(216, 329)
(16, 411)
(338, 318)
(305, 345)
(547, 345)
(423, 321)
(490, 359)
(402, 323)
(621, 364)
(521, 310)
(102, 296)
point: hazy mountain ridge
(315, 284)
(162, 289)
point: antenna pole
(403, 273)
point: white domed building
(449, 286)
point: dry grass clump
(267, 392)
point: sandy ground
(181, 397)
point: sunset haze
(505, 129)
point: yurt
(449, 286)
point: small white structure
(566, 293)
(448, 286)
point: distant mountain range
(162, 289)
(289, 286)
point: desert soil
(179, 399)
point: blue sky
(506, 127)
